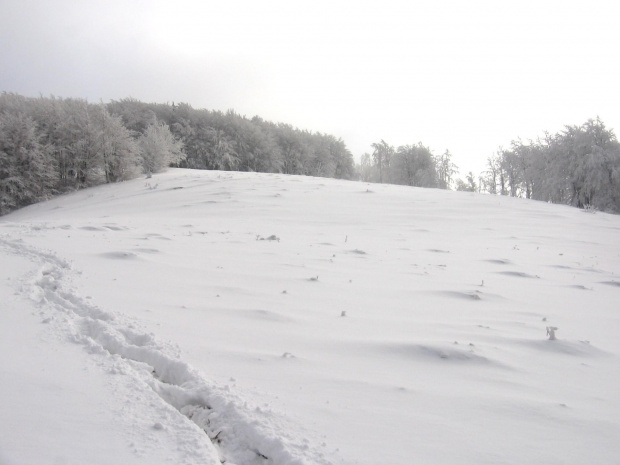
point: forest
(51, 145)
(578, 166)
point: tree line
(410, 165)
(578, 166)
(52, 145)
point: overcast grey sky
(465, 76)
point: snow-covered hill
(204, 317)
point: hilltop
(201, 317)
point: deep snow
(198, 317)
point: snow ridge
(238, 433)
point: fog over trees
(52, 145)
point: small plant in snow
(551, 332)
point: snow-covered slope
(203, 317)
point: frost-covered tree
(116, 150)
(71, 136)
(593, 156)
(491, 176)
(159, 148)
(469, 185)
(86, 144)
(343, 160)
(295, 150)
(365, 169)
(578, 166)
(223, 152)
(414, 165)
(137, 116)
(446, 170)
(27, 172)
(411, 165)
(256, 146)
(382, 156)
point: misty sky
(465, 76)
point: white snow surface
(204, 317)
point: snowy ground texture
(204, 317)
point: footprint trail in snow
(236, 434)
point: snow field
(215, 302)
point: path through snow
(236, 434)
